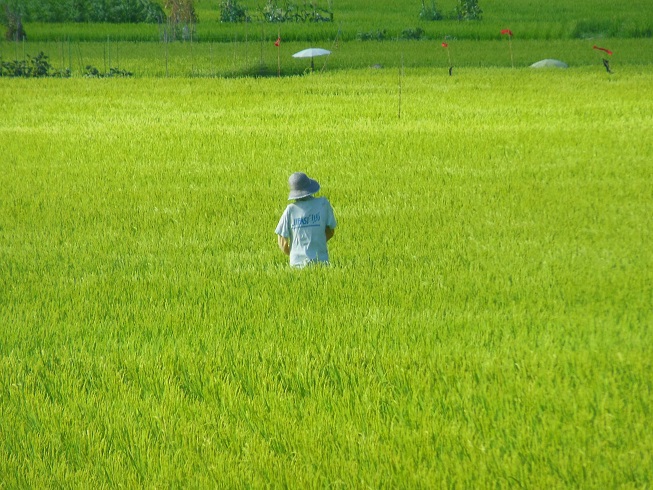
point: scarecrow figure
(606, 63)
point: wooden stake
(261, 60)
(81, 61)
(212, 61)
(165, 42)
(512, 61)
(236, 44)
(401, 74)
(70, 59)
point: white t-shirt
(303, 224)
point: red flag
(602, 49)
(277, 42)
(445, 45)
(507, 31)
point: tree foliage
(113, 11)
(232, 11)
(11, 16)
(181, 19)
(181, 11)
(429, 12)
(274, 12)
(31, 67)
(468, 10)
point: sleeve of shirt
(283, 228)
(330, 217)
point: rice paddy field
(262, 59)
(485, 321)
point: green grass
(486, 321)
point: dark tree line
(113, 11)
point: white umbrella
(311, 53)
(549, 63)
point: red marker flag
(277, 42)
(506, 31)
(445, 45)
(602, 49)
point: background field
(557, 29)
(552, 19)
(486, 321)
(241, 59)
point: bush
(429, 12)
(378, 35)
(112, 11)
(36, 67)
(290, 12)
(468, 10)
(231, 11)
(92, 72)
(416, 33)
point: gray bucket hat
(301, 186)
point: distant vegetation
(224, 20)
(114, 11)
(32, 67)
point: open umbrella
(311, 53)
(549, 63)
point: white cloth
(303, 223)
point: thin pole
(261, 60)
(235, 45)
(246, 46)
(401, 74)
(512, 61)
(211, 57)
(81, 62)
(165, 42)
(192, 62)
(334, 46)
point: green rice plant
(486, 321)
